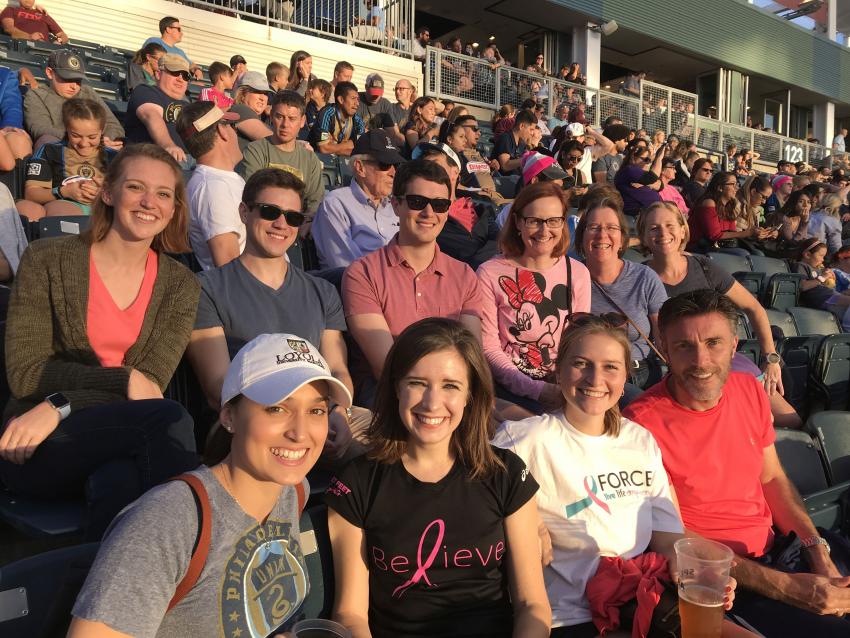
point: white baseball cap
(270, 367)
(576, 129)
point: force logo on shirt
(86, 170)
(172, 112)
(33, 170)
(265, 581)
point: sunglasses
(271, 213)
(181, 74)
(178, 28)
(615, 320)
(419, 202)
(472, 128)
(382, 166)
(574, 158)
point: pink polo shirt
(382, 283)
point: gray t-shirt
(253, 582)
(231, 297)
(702, 273)
(639, 293)
(608, 163)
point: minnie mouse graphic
(537, 321)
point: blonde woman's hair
(642, 227)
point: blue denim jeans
(109, 453)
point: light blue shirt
(168, 48)
(348, 226)
(827, 229)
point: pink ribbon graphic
(422, 572)
(592, 495)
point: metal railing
(475, 82)
(387, 26)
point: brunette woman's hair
(510, 241)
(418, 103)
(174, 238)
(579, 330)
(789, 208)
(83, 109)
(470, 442)
(294, 77)
(140, 57)
(713, 191)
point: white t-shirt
(585, 165)
(838, 144)
(214, 197)
(599, 496)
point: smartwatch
(771, 357)
(61, 403)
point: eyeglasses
(178, 28)
(181, 74)
(735, 184)
(534, 223)
(419, 202)
(608, 228)
(613, 320)
(271, 213)
(403, 88)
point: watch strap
(64, 409)
(812, 541)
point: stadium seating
(804, 466)
(782, 291)
(783, 321)
(831, 371)
(62, 225)
(744, 329)
(798, 355)
(832, 430)
(751, 349)
(752, 281)
(814, 322)
(730, 263)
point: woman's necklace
(229, 487)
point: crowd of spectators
(455, 288)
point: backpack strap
(202, 544)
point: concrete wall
(208, 37)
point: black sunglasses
(182, 74)
(382, 166)
(419, 202)
(471, 127)
(270, 213)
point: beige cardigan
(47, 346)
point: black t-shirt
(506, 143)
(702, 273)
(135, 129)
(436, 552)
(368, 111)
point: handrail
(341, 20)
(491, 88)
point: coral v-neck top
(111, 330)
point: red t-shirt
(111, 331)
(714, 460)
(31, 21)
(704, 223)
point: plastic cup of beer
(703, 576)
(320, 628)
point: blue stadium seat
(831, 371)
(768, 265)
(814, 322)
(752, 281)
(730, 263)
(346, 172)
(314, 528)
(782, 291)
(38, 518)
(751, 349)
(38, 592)
(804, 466)
(798, 355)
(783, 321)
(832, 429)
(744, 329)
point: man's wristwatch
(771, 357)
(812, 541)
(61, 403)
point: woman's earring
(227, 427)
